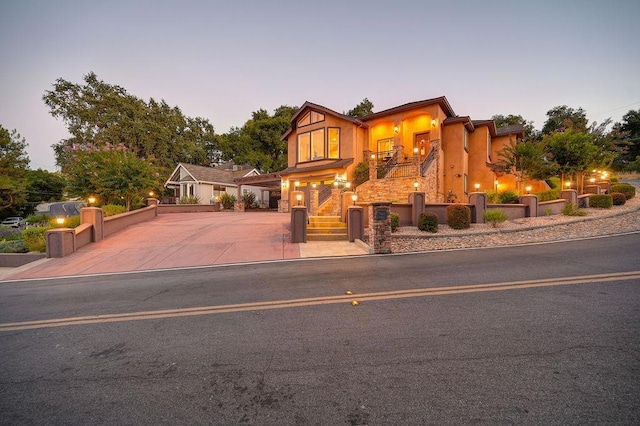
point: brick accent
(380, 228)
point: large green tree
(526, 160)
(43, 186)
(563, 118)
(628, 132)
(99, 114)
(573, 152)
(361, 110)
(511, 120)
(14, 163)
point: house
(421, 146)
(208, 183)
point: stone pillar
(313, 202)
(94, 216)
(416, 164)
(417, 201)
(336, 202)
(346, 202)
(298, 224)
(151, 202)
(592, 189)
(571, 195)
(60, 242)
(479, 202)
(380, 228)
(373, 168)
(355, 223)
(531, 201)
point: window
(465, 136)
(466, 184)
(385, 148)
(310, 118)
(488, 148)
(334, 142)
(311, 146)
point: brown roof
(333, 165)
(442, 101)
(489, 123)
(464, 120)
(309, 105)
(514, 129)
(213, 174)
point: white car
(14, 222)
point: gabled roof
(464, 120)
(514, 129)
(319, 108)
(213, 175)
(489, 123)
(333, 165)
(442, 101)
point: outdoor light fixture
(434, 122)
(150, 193)
(528, 188)
(592, 180)
(568, 184)
(354, 197)
(396, 129)
(313, 185)
(347, 185)
(60, 220)
(477, 186)
(415, 185)
(297, 184)
(373, 156)
(496, 184)
(299, 197)
(92, 200)
(415, 150)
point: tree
(510, 120)
(361, 110)
(100, 114)
(628, 133)
(14, 162)
(563, 118)
(112, 173)
(526, 160)
(43, 186)
(573, 152)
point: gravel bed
(597, 222)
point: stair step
(327, 237)
(311, 230)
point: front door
(421, 141)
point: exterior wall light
(296, 184)
(415, 150)
(313, 185)
(373, 156)
(434, 122)
(396, 129)
(592, 180)
(347, 185)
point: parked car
(14, 222)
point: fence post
(60, 242)
(531, 201)
(298, 224)
(479, 202)
(417, 206)
(355, 223)
(380, 228)
(94, 216)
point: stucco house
(208, 183)
(421, 145)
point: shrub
(550, 195)
(492, 197)
(495, 216)
(249, 199)
(69, 222)
(8, 233)
(36, 219)
(554, 182)
(227, 200)
(601, 201)
(627, 189)
(16, 246)
(34, 238)
(619, 199)
(428, 222)
(458, 216)
(113, 209)
(571, 209)
(614, 180)
(395, 221)
(189, 199)
(508, 197)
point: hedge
(619, 199)
(35, 239)
(428, 222)
(628, 190)
(601, 201)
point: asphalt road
(66, 209)
(542, 334)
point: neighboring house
(208, 183)
(421, 143)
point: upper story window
(488, 147)
(310, 118)
(334, 142)
(311, 146)
(465, 136)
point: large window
(385, 148)
(334, 142)
(310, 118)
(311, 146)
(466, 140)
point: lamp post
(91, 200)
(496, 184)
(299, 198)
(354, 197)
(528, 188)
(415, 185)
(477, 186)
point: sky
(223, 60)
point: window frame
(310, 146)
(328, 149)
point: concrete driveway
(187, 239)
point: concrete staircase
(326, 228)
(326, 208)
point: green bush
(34, 238)
(69, 222)
(113, 209)
(628, 190)
(554, 182)
(16, 246)
(614, 180)
(249, 199)
(508, 197)
(550, 195)
(395, 221)
(571, 209)
(601, 201)
(492, 197)
(428, 222)
(227, 200)
(39, 218)
(619, 199)
(189, 199)
(495, 217)
(458, 216)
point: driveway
(183, 240)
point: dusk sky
(222, 60)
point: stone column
(298, 224)
(373, 168)
(94, 216)
(531, 201)
(345, 203)
(571, 195)
(313, 202)
(60, 242)
(479, 201)
(417, 201)
(380, 228)
(336, 201)
(151, 202)
(355, 223)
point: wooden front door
(421, 141)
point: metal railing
(400, 170)
(324, 193)
(427, 161)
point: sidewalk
(183, 240)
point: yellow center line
(315, 301)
